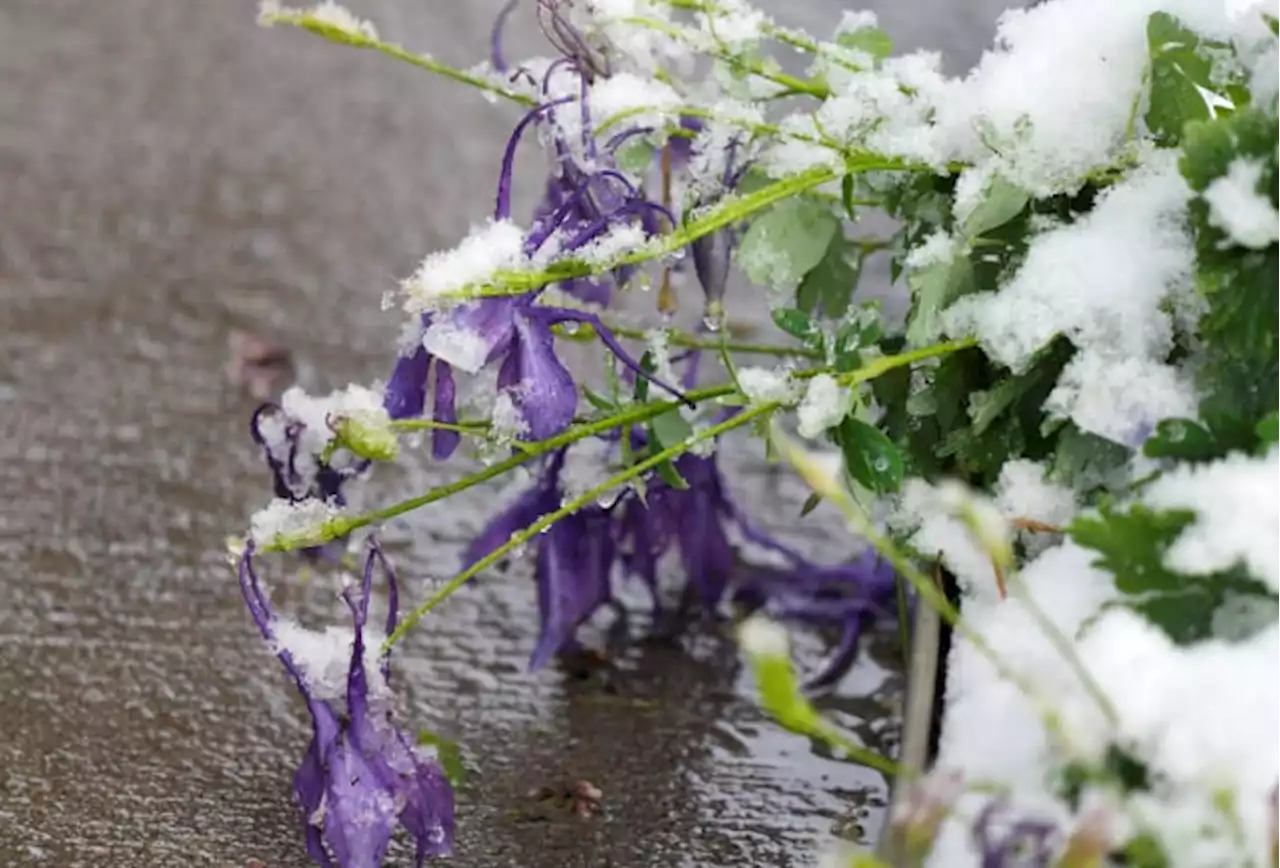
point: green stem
(681, 339)
(726, 213)
(343, 525)
(305, 20)
(521, 537)
(750, 66)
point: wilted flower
(360, 776)
(849, 597)
(517, 330)
(296, 440)
(575, 559)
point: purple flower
(575, 559)
(360, 776)
(695, 520)
(299, 467)
(579, 208)
(849, 597)
(1024, 843)
(405, 396)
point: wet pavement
(169, 173)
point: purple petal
(495, 37)
(575, 558)
(443, 443)
(406, 392)
(540, 386)
(359, 813)
(502, 207)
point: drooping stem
(305, 20)
(342, 525)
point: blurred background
(170, 175)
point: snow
(302, 521)
(1102, 281)
(324, 657)
(1121, 398)
(464, 349)
(1237, 505)
(1238, 208)
(326, 12)
(1202, 716)
(495, 246)
(825, 404)
(767, 386)
(508, 422)
(761, 637)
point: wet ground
(168, 174)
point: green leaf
(448, 754)
(828, 287)
(795, 322)
(667, 473)
(647, 365)
(1133, 544)
(1003, 202)
(600, 402)
(1182, 439)
(846, 196)
(1178, 73)
(636, 156)
(1269, 429)
(1239, 330)
(870, 40)
(850, 339)
(670, 429)
(786, 242)
(1087, 462)
(1144, 851)
(810, 504)
(933, 289)
(871, 457)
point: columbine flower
(517, 330)
(360, 776)
(574, 559)
(297, 440)
(848, 597)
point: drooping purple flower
(575, 559)
(695, 520)
(850, 597)
(515, 330)
(300, 469)
(360, 776)
(405, 396)
(1019, 843)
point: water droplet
(667, 317)
(880, 465)
(1176, 433)
(571, 328)
(609, 498)
(713, 318)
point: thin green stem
(522, 537)
(727, 212)
(751, 66)
(306, 20)
(681, 339)
(479, 429)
